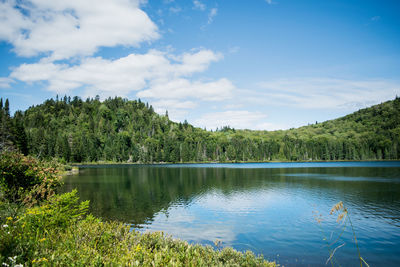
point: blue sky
(256, 64)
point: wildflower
(9, 218)
(5, 225)
(138, 248)
(43, 239)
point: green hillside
(120, 130)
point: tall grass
(344, 221)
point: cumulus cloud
(66, 34)
(64, 29)
(158, 74)
(14, 20)
(196, 62)
(314, 93)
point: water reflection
(267, 210)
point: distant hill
(120, 130)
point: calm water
(268, 208)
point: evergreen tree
(7, 108)
(120, 130)
(21, 140)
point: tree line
(121, 130)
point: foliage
(12, 131)
(119, 130)
(25, 179)
(23, 236)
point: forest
(122, 130)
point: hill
(120, 130)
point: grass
(343, 218)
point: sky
(248, 64)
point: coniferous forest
(120, 130)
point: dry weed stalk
(344, 217)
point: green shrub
(58, 212)
(23, 235)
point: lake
(280, 210)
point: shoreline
(98, 163)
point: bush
(23, 236)
(25, 179)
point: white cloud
(199, 5)
(238, 119)
(269, 1)
(12, 21)
(64, 29)
(160, 75)
(326, 93)
(196, 62)
(212, 14)
(5, 82)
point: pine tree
(7, 108)
(21, 139)
(6, 128)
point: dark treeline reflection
(134, 194)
